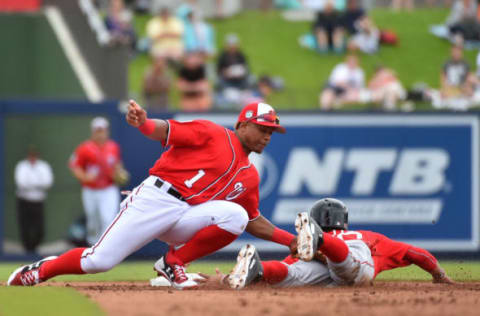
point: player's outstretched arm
(152, 128)
(427, 262)
(264, 229)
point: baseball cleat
(310, 236)
(174, 273)
(248, 268)
(28, 275)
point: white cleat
(248, 268)
(175, 274)
(309, 234)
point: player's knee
(95, 264)
(234, 218)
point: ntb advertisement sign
(413, 178)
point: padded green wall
(56, 136)
(33, 64)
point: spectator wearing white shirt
(33, 177)
(346, 84)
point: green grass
(138, 271)
(52, 301)
(67, 301)
(270, 42)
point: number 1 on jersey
(189, 183)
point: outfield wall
(413, 177)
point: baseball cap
(262, 114)
(99, 122)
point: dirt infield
(384, 298)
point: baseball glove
(120, 175)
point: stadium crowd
(186, 61)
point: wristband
(148, 127)
(282, 237)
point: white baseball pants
(101, 207)
(150, 213)
(357, 269)
(302, 273)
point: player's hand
(219, 279)
(136, 116)
(439, 276)
(90, 177)
(319, 256)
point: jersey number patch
(189, 183)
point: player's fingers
(133, 103)
(203, 275)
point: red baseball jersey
(97, 159)
(207, 162)
(387, 254)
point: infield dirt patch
(384, 298)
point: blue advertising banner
(412, 178)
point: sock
(274, 271)
(204, 242)
(334, 248)
(68, 263)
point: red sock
(334, 248)
(274, 271)
(68, 263)
(204, 242)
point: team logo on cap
(249, 114)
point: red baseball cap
(261, 114)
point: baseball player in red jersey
(202, 193)
(343, 257)
(94, 164)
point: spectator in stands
(328, 30)
(367, 37)
(351, 15)
(385, 88)
(463, 22)
(456, 79)
(198, 35)
(232, 66)
(156, 86)
(33, 177)
(118, 22)
(166, 34)
(408, 5)
(345, 85)
(457, 84)
(195, 91)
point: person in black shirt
(232, 66)
(193, 84)
(351, 16)
(456, 78)
(328, 30)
